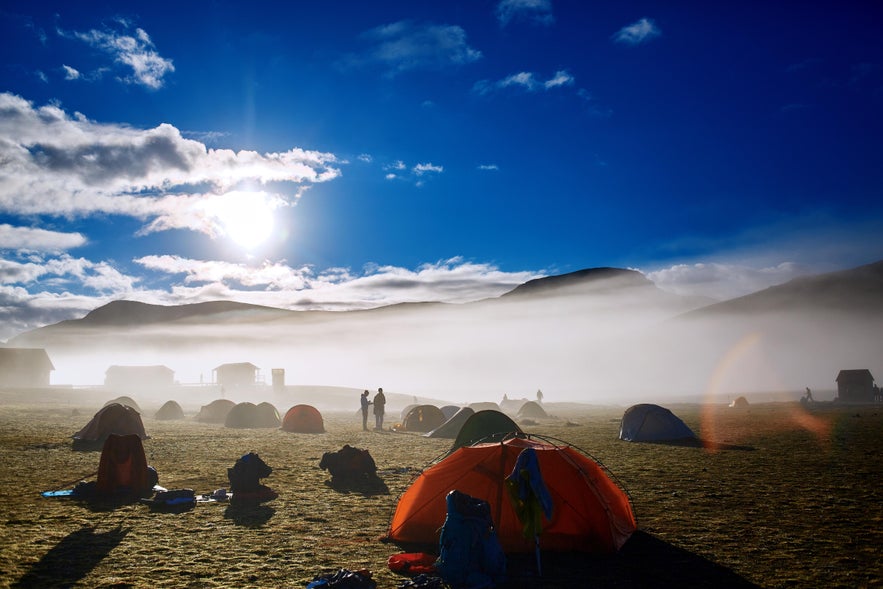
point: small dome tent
(651, 423)
(450, 410)
(267, 415)
(532, 410)
(405, 410)
(484, 406)
(216, 411)
(127, 401)
(452, 426)
(303, 419)
(170, 411)
(484, 426)
(590, 512)
(247, 416)
(423, 418)
(740, 402)
(111, 419)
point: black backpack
(246, 474)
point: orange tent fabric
(304, 419)
(123, 465)
(590, 511)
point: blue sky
(352, 154)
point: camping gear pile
(349, 463)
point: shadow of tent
(644, 561)
(249, 515)
(699, 443)
(71, 559)
(366, 486)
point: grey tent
(451, 427)
(127, 401)
(169, 411)
(484, 406)
(111, 419)
(450, 410)
(216, 411)
(268, 415)
(250, 416)
(651, 423)
(532, 410)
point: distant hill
(609, 278)
(597, 333)
(122, 313)
(855, 291)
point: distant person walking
(379, 408)
(365, 402)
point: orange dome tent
(591, 513)
(303, 419)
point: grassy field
(788, 498)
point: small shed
(24, 367)
(236, 374)
(139, 377)
(855, 386)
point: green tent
(485, 426)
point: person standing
(365, 402)
(379, 407)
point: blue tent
(651, 423)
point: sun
(247, 218)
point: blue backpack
(470, 554)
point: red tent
(304, 419)
(591, 513)
(123, 466)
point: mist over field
(593, 338)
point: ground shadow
(366, 485)
(644, 561)
(697, 443)
(71, 559)
(249, 515)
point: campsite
(785, 496)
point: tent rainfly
(590, 512)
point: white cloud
(274, 276)
(488, 167)
(396, 165)
(723, 281)
(534, 11)
(364, 157)
(70, 73)
(403, 46)
(29, 239)
(561, 78)
(638, 32)
(421, 169)
(525, 80)
(137, 52)
(37, 291)
(66, 165)
(452, 280)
